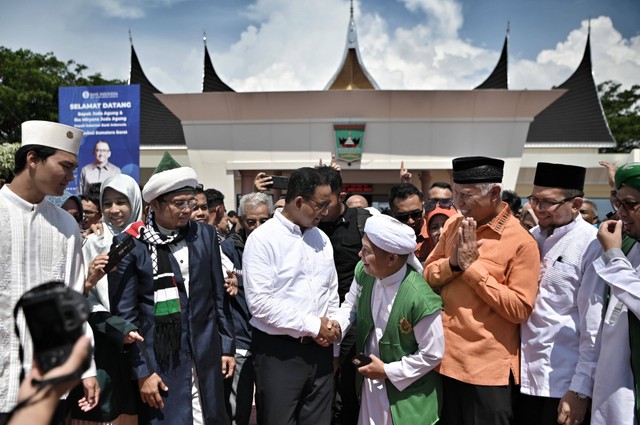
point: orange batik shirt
(485, 304)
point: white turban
(390, 235)
(167, 177)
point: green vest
(420, 402)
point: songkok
(628, 174)
(52, 134)
(169, 176)
(390, 235)
(477, 169)
(560, 176)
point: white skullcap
(168, 177)
(52, 134)
(390, 235)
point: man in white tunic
(615, 396)
(559, 352)
(399, 328)
(39, 242)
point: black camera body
(55, 316)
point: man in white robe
(387, 283)
(39, 242)
(615, 400)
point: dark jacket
(207, 331)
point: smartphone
(118, 252)
(361, 360)
(279, 182)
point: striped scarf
(166, 307)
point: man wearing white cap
(171, 286)
(399, 328)
(39, 242)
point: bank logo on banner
(110, 119)
(349, 141)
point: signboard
(349, 141)
(110, 119)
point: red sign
(357, 187)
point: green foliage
(622, 109)
(29, 87)
(7, 154)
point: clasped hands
(465, 251)
(329, 333)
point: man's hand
(95, 228)
(571, 409)
(132, 337)
(91, 394)
(405, 175)
(467, 243)
(329, 332)
(374, 370)
(150, 388)
(228, 366)
(262, 182)
(231, 284)
(610, 234)
(611, 172)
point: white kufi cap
(52, 134)
(390, 235)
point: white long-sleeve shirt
(290, 279)
(429, 334)
(613, 394)
(558, 340)
(38, 243)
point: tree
(622, 109)
(29, 87)
(7, 161)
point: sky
(282, 45)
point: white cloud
(132, 9)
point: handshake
(329, 333)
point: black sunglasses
(431, 204)
(404, 217)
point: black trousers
(345, 404)
(294, 380)
(533, 410)
(468, 404)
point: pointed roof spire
(210, 80)
(351, 74)
(577, 116)
(499, 78)
(158, 125)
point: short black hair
(512, 198)
(42, 153)
(94, 190)
(331, 177)
(94, 201)
(214, 198)
(442, 185)
(404, 191)
(303, 182)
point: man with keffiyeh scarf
(171, 287)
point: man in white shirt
(615, 396)
(399, 327)
(291, 288)
(98, 170)
(39, 242)
(559, 352)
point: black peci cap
(477, 169)
(561, 176)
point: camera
(55, 317)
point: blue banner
(110, 119)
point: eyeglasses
(89, 213)
(102, 150)
(404, 217)
(251, 222)
(319, 206)
(629, 206)
(182, 205)
(546, 205)
(431, 204)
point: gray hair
(590, 202)
(253, 201)
(485, 188)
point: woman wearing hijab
(435, 220)
(121, 204)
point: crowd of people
(454, 306)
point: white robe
(38, 243)
(374, 407)
(613, 394)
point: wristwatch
(580, 396)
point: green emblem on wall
(349, 141)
